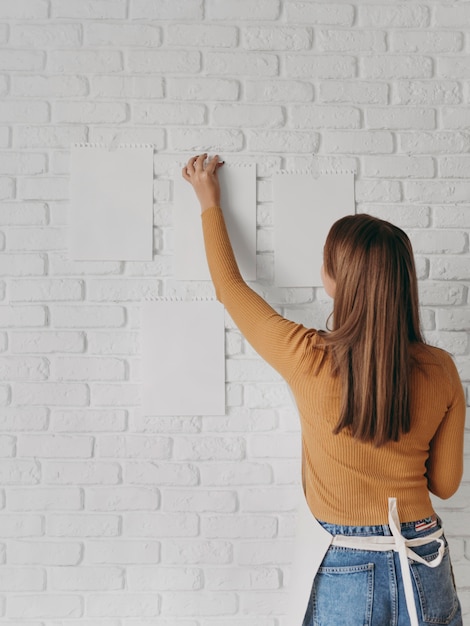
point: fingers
(212, 165)
(199, 162)
(184, 172)
(196, 164)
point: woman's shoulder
(434, 359)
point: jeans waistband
(409, 530)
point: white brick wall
(111, 517)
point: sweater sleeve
(279, 341)
(445, 462)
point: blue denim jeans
(365, 588)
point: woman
(382, 419)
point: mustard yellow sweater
(348, 481)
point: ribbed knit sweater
(348, 481)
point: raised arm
(279, 341)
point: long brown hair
(375, 319)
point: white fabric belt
(399, 544)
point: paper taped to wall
(304, 210)
(238, 193)
(111, 203)
(183, 358)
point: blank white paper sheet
(111, 203)
(238, 193)
(305, 208)
(183, 358)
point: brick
(23, 213)
(127, 605)
(135, 446)
(49, 86)
(122, 498)
(44, 188)
(450, 267)
(276, 38)
(73, 472)
(427, 92)
(454, 167)
(122, 289)
(399, 167)
(167, 9)
(201, 603)
(127, 343)
(24, 9)
(160, 578)
(88, 316)
(54, 394)
(202, 35)
(85, 62)
(451, 216)
(28, 111)
(122, 35)
(452, 15)
(364, 92)
(436, 142)
(126, 87)
(242, 578)
(90, 112)
(454, 342)
(148, 135)
(22, 579)
(202, 89)
(282, 141)
(363, 142)
(169, 113)
(434, 41)
(116, 395)
(88, 368)
(84, 420)
(173, 474)
(42, 239)
(246, 115)
(23, 418)
(404, 216)
(438, 241)
(46, 342)
(239, 526)
(85, 578)
(270, 552)
(278, 91)
(242, 63)
(55, 446)
(200, 501)
(454, 318)
(396, 66)
(14, 163)
(50, 136)
(437, 294)
(396, 16)
(22, 265)
(351, 40)
(22, 60)
(47, 290)
(314, 116)
(43, 35)
(455, 117)
(206, 140)
(122, 551)
(98, 9)
(400, 118)
(40, 498)
(243, 10)
(320, 13)
(83, 525)
(185, 552)
(21, 368)
(235, 473)
(7, 191)
(320, 66)
(209, 448)
(163, 61)
(437, 191)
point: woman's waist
(409, 530)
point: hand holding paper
(204, 179)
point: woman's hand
(204, 179)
